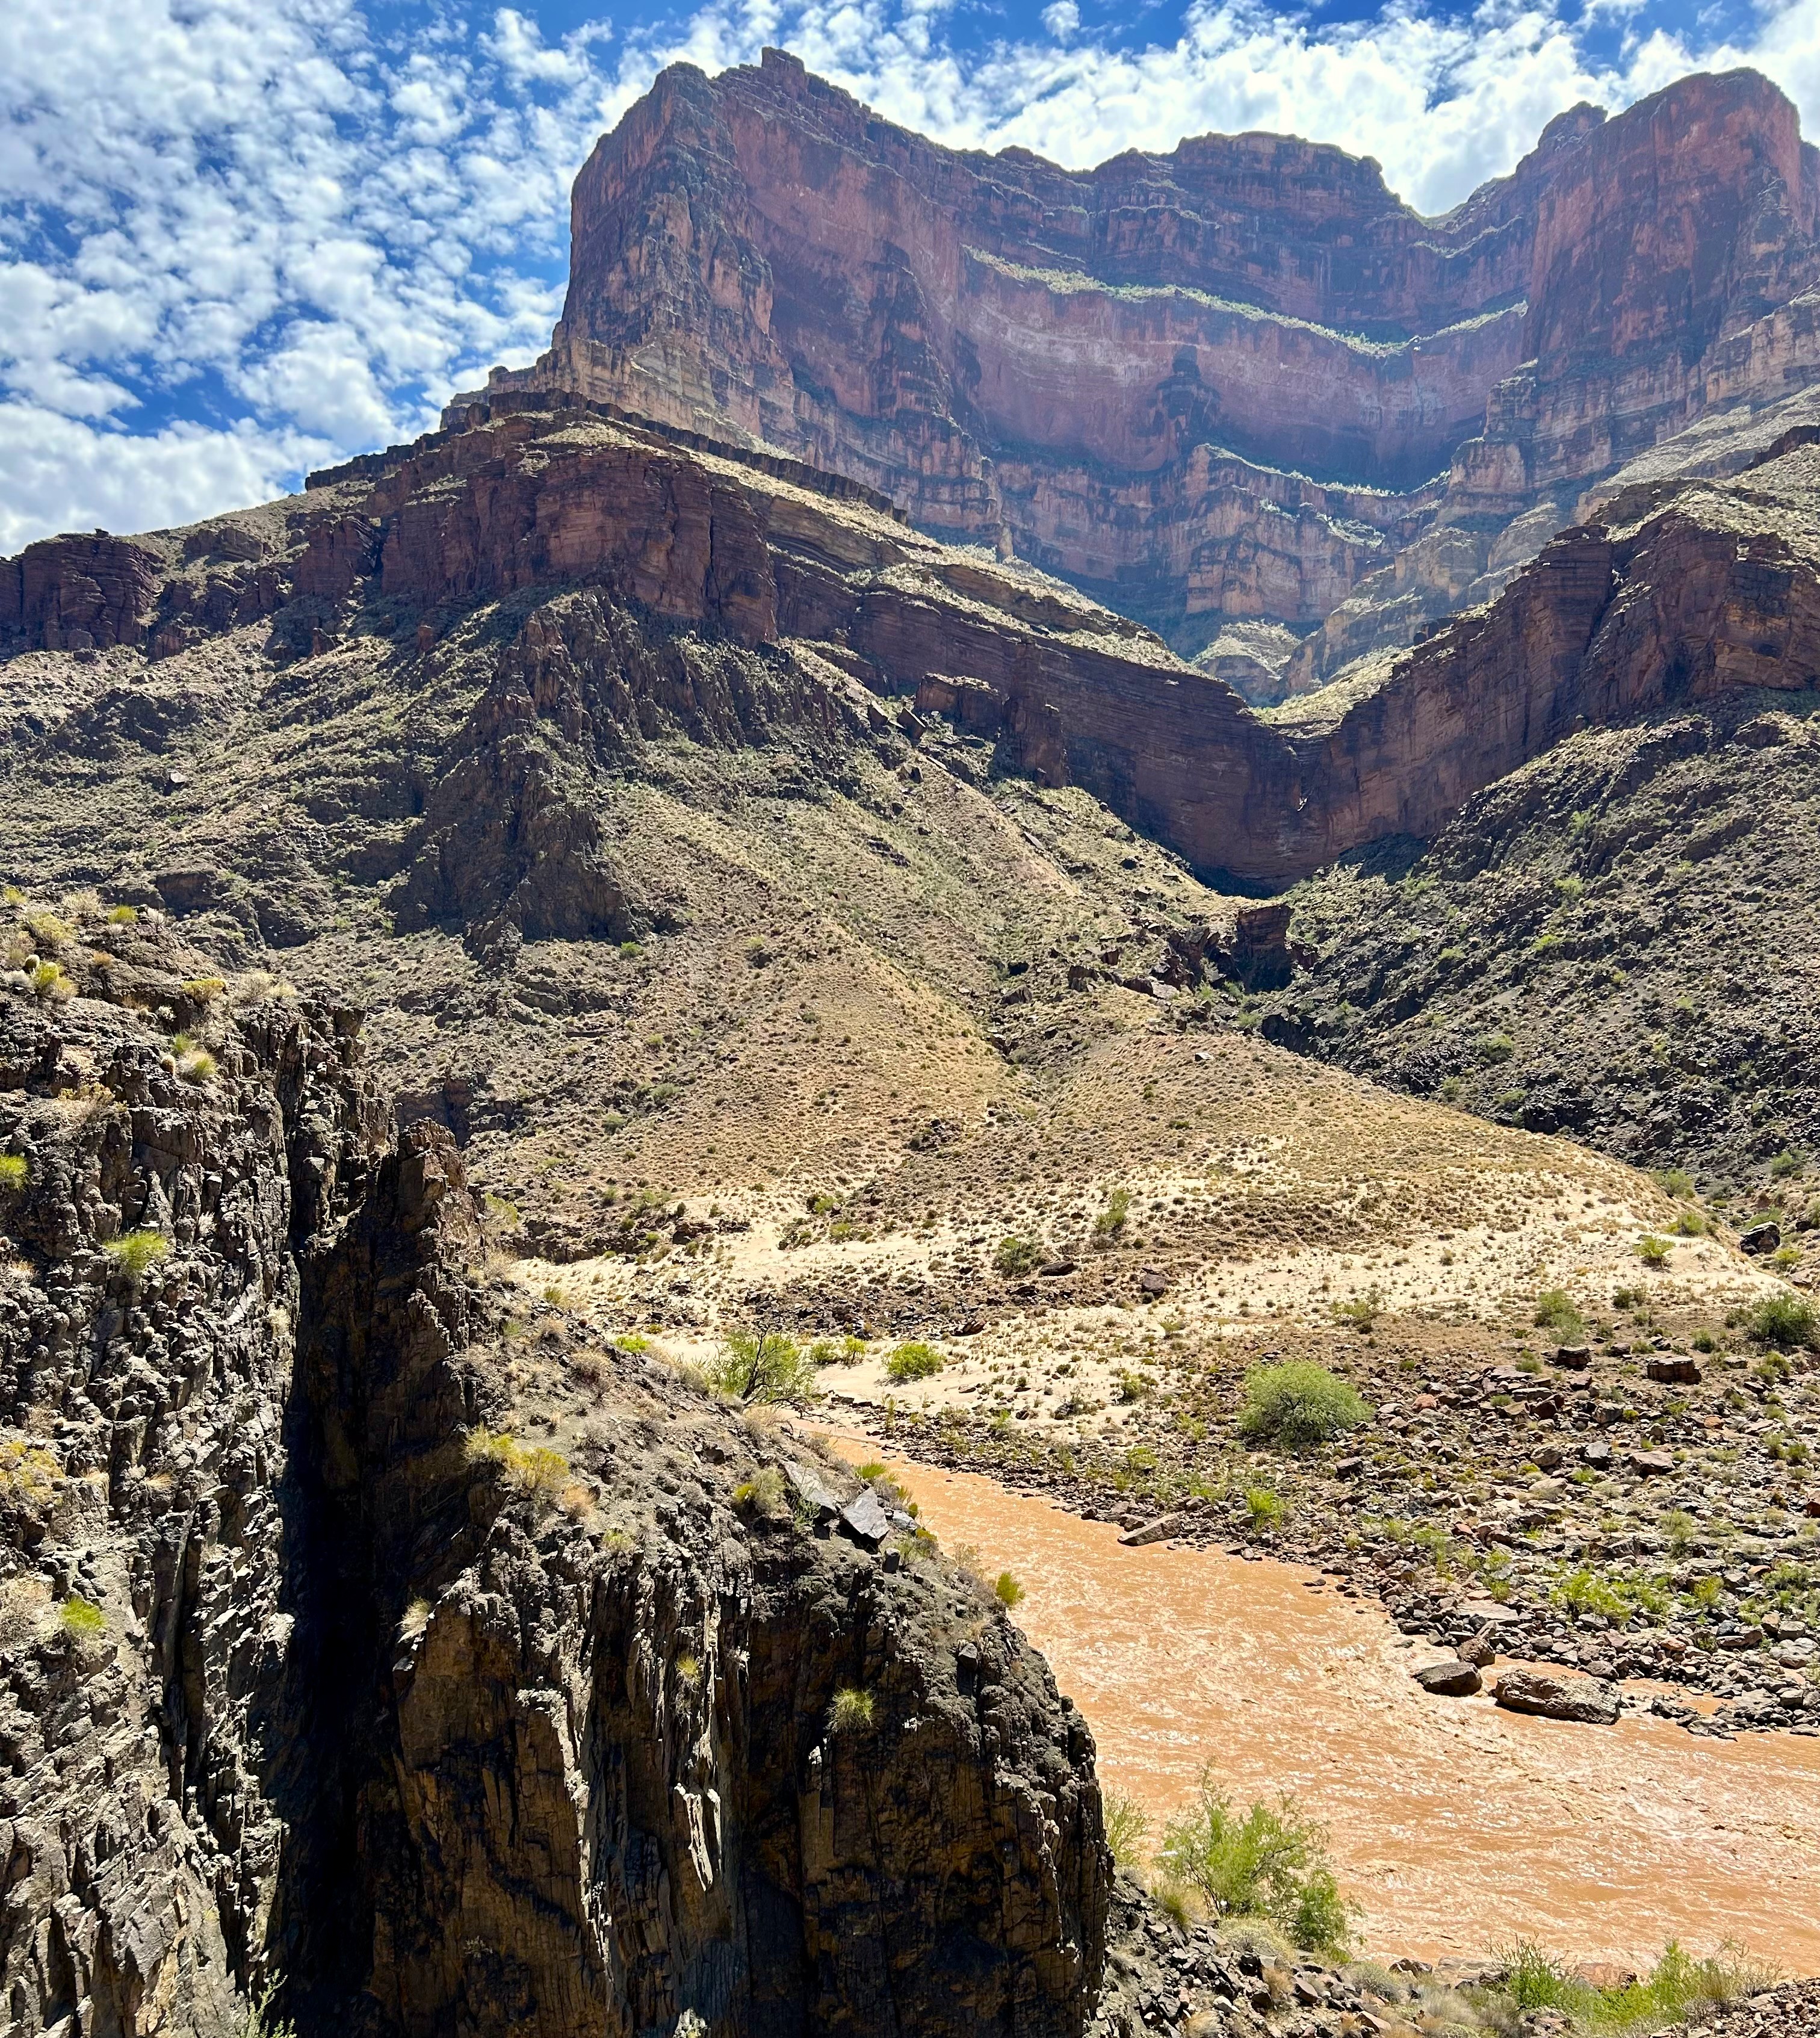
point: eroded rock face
(1232, 381)
(147, 1798)
(645, 585)
(315, 1670)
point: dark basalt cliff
(1228, 383)
(313, 1668)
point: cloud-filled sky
(239, 238)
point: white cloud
(234, 234)
(65, 474)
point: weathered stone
(1158, 1531)
(1456, 1679)
(1577, 1698)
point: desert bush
(204, 990)
(1016, 1256)
(83, 1620)
(12, 1174)
(913, 1361)
(763, 1366)
(764, 1495)
(1653, 1252)
(196, 1065)
(1298, 1404)
(1006, 1589)
(1111, 1220)
(852, 1710)
(533, 1468)
(1788, 1162)
(1269, 1860)
(1556, 1311)
(1264, 1507)
(28, 1472)
(1359, 1311)
(49, 982)
(1127, 1827)
(1679, 1986)
(1785, 1322)
(415, 1620)
(134, 1251)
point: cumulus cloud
(237, 237)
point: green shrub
(1675, 1182)
(533, 1468)
(134, 1251)
(1787, 1163)
(82, 1620)
(1016, 1256)
(763, 1495)
(48, 981)
(1677, 1985)
(1359, 1311)
(28, 1472)
(12, 1174)
(1496, 1046)
(1111, 1220)
(852, 1709)
(1127, 1827)
(123, 916)
(1653, 1252)
(1786, 1322)
(914, 1361)
(1006, 1589)
(1298, 1404)
(1264, 1506)
(204, 990)
(763, 1366)
(1269, 1862)
(1555, 1310)
(1690, 1224)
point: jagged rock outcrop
(151, 1209)
(317, 1670)
(1233, 381)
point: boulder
(1651, 1464)
(1761, 1238)
(1158, 1531)
(1576, 1357)
(1584, 1700)
(1674, 1368)
(1454, 1678)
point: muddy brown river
(1454, 1826)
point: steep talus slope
(1239, 382)
(454, 1682)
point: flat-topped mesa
(1230, 381)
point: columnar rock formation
(1230, 382)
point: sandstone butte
(1240, 387)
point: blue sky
(239, 238)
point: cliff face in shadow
(324, 1663)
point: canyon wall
(1230, 382)
(836, 619)
(316, 1675)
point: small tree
(764, 1367)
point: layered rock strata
(317, 1673)
(1234, 381)
(837, 616)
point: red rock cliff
(1214, 383)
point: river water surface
(1456, 1827)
